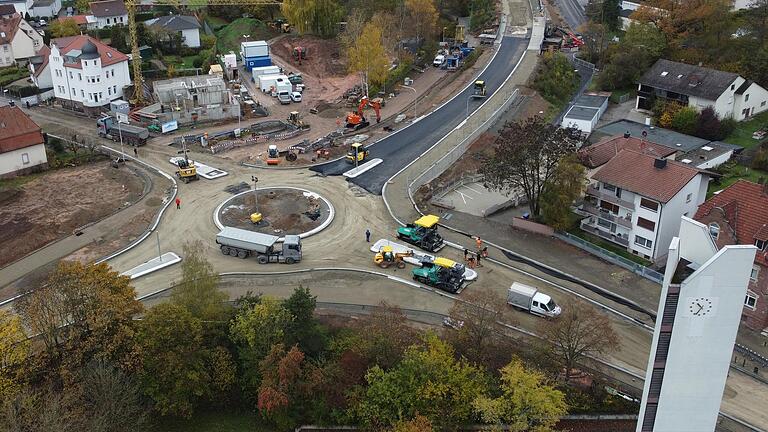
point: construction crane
(131, 5)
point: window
(25, 158)
(609, 207)
(114, 88)
(760, 244)
(645, 223)
(733, 86)
(754, 273)
(605, 224)
(85, 62)
(609, 187)
(688, 197)
(642, 241)
(109, 91)
(750, 300)
(82, 93)
(714, 230)
(762, 104)
(746, 98)
(649, 205)
(80, 76)
(74, 92)
(5, 48)
(70, 75)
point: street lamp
(415, 96)
(120, 132)
(442, 35)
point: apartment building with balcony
(636, 200)
(698, 318)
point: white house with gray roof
(188, 26)
(727, 93)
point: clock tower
(699, 310)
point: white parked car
(296, 96)
(453, 323)
(43, 22)
(438, 61)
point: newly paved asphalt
(401, 148)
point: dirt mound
(324, 60)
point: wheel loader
(386, 257)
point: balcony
(594, 191)
(606, 235)
(592, 209)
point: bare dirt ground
(53, 205)
(285, 211)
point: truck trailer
(531, 300)
(243, 243)
(132, 135)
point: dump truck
(441, 273)
(532, 300)
(243, 243)
(422, 233)
(132, 135)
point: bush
(555, 79)
(197, 62)
(686, 120)
(760, 161)
(709, 126)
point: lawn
(229, 37)
(733, 172)
(742, 135)
(215, 421)
(216, 23)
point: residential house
(636, 200)
(22, 148)
(82, 21)
(730, 95)
(699, 152)
(108, 13)
(6, 10)
(739, 215)
(45, 8)
(188, 26)
(40, 70)
(18, 40)
(596, 155)
(20, 6)
(87, 74)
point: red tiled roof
(17, 130)
(78, 19)
(45, 53)
(108, 8)
(7, 9)
(635, 172)
(108, 55)
(598, 154)
(745, 205)
(9, 27)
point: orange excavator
(356, 120)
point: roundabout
(277, 211)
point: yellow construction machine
(356, 150)
(187, 171)
(387, 257)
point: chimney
(660, 163)
(626, 135)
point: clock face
(699, 306)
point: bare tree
(525, 158)
(481, 336)
(579, 332)
(112, 400)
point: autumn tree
(64, 27)
(481, 338)
(423, 14)
(368, 56)
(285, 386)
(580, 331)
(605, 12)
(83, 313)
(418, 423)
(567, 184)
(429, 381)
(180, 371)
(198, 292)
(355, 22)
(527, 402)
(525, 158)
(384, 335)
(14, 353)
(40, 410)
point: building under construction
(189, 99)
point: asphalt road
(399, 149)
(572, 12)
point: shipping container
(254, 49)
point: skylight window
(665, 73)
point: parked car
(284, 97)
(43, 22)
(453, 323)
(296, 96)
(438, 61)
